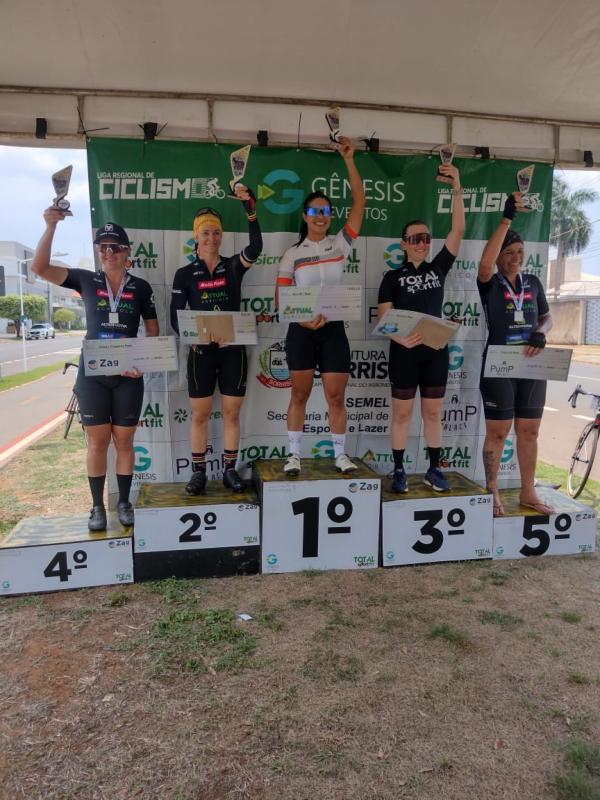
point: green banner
(160, 185)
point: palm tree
(570, 228)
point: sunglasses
(112, 248)
(318, 211)
(418, 238)
(207, 210)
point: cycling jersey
(505, 324)
(418, 289)
(316, 263)
(136, 301)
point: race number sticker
(560, 534)
(325, 524)
(447, 528)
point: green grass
(547, 473)
(572, 617)
(578, 678)
(581, 778)
(449, 634)
(505, 621)
(21, 378)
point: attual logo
(180, 415)
(274, 370)
(279, 200)
(323, 449)
(143, 460)
(394, 255)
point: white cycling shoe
(344, 464)
(292, 465)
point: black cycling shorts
(420, 366)
(109, 399)
(207, 365)
(505, 398)
(326, 349)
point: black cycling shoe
(231, 480)
(125, 514)
(97, 520)
(197, 483)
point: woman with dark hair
(517, 313)
(418, 285)
(318, 259)
(109, 405)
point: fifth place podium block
(319, 520)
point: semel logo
(281, 201)
(143, 459)
(274, 371)
(394, 255)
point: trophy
(61, 181)
(446, 155)
(524, 179)
(239, 161)
(333, 120)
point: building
(575, 308)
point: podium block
(47, 554)
(522, 532)
(213, 534)
(320, 519)
(423, 526)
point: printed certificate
(236, 327)
(335, 303)
(115, 356)
(436, 332)
(510, 361)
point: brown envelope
(436, 334)
(219, 325)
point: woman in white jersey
(318, 259)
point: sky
(27, 171)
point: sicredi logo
(279, 200)
(143, 459)
(394, 255)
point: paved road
(39, 352)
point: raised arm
(355, 217)
(491, 251)
(457, 230)
(254, 248)
(41, 265)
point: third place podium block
(320, 519)
(213, 534)
(524, 532)
(423, 526)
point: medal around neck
(446, 152)
(238, 160)
(60, 182)
(524, 179)
(333, 120)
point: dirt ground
(459, 681)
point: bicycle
(72, 408)
(584, 454)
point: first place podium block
(320, 519)
(46, 554)
(523, 532)
(213, 534)
(424, 527)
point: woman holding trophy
(418, 285)
(319, 259)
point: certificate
(115, 356)
(236, 327)
(436, 332)
(510, 361)
(335, 303)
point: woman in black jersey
(110, 406)
(517, 313)
(418, 285)
(214, 283)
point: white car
(41, 330)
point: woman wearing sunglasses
(318, 260)
(418, 285)
(110, 405)
(214, 283)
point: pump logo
(278, 200)
(274, 370)
(394, 255)
(323, 449)
(143, 459)
(459, 417)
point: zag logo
(189, 250)
(394, 255)
(291, 199)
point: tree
(63, 317)
(34, 307)
(570, 228)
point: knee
(200, 418)
(527, 432)
(97, 443)
(123, 441)
(299, 396)
(497, 436)
(335, 399)
(431, 415)
(231, 416)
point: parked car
(41, 330)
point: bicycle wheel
(582, 459)
(71, 409)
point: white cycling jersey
(316, 263)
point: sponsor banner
(465, 307)
(464, 364)
(508, 473)
(265, 269)
(461, 412)
(152, 464)
(182, 460)
(459, 454)
(376, 452)
(260, 300)
(180, 416)
(148, 255)
(154, 420)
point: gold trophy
(61, 181)
(446, 152)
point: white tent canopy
(521, 78)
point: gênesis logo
(323, 449)
(394, 255)
(142, 464)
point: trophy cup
(524, 179)
(61, 181)
(333, 120)
(446, 155)
(239, 161)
